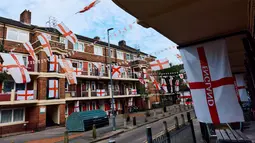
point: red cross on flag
(240, 86)
(164, 85)
(177, 85)
(15, 66)
(155, 83)
(159, 64)
(77, 71)
(30, 50)
(67, 66)
(76, 106)
(53, 63)
(116, 71)
(211, 83)
(100, 92)
(133, 91)
(68, 34)
(43, 38)
(181, 76)
(53, 88)
(185, 94)
(25, 94)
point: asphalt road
(138, 135)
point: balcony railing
(5, 97)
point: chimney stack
(25, 17)
(122, 43)
(97, 38)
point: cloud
(94, 22)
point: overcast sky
(94, 22)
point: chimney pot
(122, 43)
(25, 17)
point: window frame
(127, 56)
(120, 53)
(65, 41)
(96, 51)
(18, 31)
(79, 50)
(112, 53)
(93, 83)
(12, 120)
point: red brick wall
(42, 89)
(41, 119)
(12, 129)
(62, 114)
(62, 88)
(43, 66)
(32, 114)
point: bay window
(17, 35)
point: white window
(120, 55)
(79, 46)
(128, 57)
(93, 86)
(90, 67)
(64, 41)
(131, 57)
(17, 35)
(12, 115)
(98, 50)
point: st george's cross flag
(140, 78)
(100, 92)
(30, 49)
(67, 66)
(164, 85)
(76, 106)
(43, 38)
(117, 71)
(155, 83)
(177, 85)
(25, 94)
(53, 88)
(86, 8)
(159, 64)
(241, 87)
(53, 63)
(133, 91)
(67, 33)
(15, 66)
(171, 84)
(77, 71)
(145, 75)
(211, 83)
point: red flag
(86, 8)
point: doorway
(52, 115)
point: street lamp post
(110, 60)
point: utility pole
(110, 60)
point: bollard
(66, 140)
(183, 119)
(154, 114)
(134, 121)
(111, 141)
(149, 135)
(166, 132)
(94, 133)
(176, 122)
(192, 127)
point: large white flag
(45, 44)
(67, 66)
(67, 33)
(15, 66)
(117, 71)
(159, 64)
(211, 83)
(241, 87)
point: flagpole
(110, 60)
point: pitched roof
(53, 30)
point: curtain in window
(6, 116)
(8, 86)
(18, 115)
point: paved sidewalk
(56, 134)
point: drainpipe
(4, 33)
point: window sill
(13, 123)
(21, 42)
